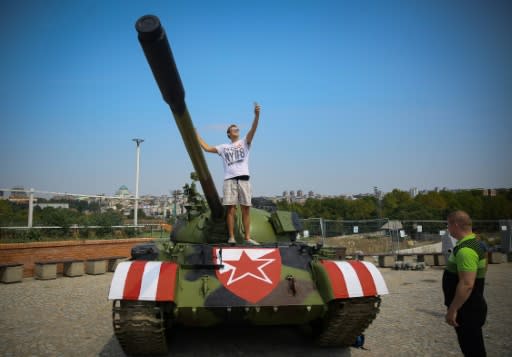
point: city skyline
(354, 94)
(124, 192)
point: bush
(20, 236)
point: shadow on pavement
(432, 312)
(238, 341)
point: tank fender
(144, 280)
(347, 279)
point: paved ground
(72, 317)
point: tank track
(140, 327)
(345, 320)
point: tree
(61, 217)
(140, 213)
(436, 204)
(394, 203)
(106, 219)
(6, 213)
(363, 208)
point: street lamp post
(31, 208)
(136, 209)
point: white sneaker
(251, 241)
(231, 240)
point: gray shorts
(237, 192)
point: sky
(354, 94)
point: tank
(195, 278)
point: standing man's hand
(451, 318)
(254, 126)
(257, 108)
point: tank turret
(158, 53)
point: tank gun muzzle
(156, 47)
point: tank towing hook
(291, 284)
(204, 288)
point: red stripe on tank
(166, 282)
(365, 278)
(338, 283)
(133, 281)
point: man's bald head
(461, 222)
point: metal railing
(497, 234)
(30, 197)
(79, 232)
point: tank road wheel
(345, 320)
(140, 327)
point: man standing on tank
(237, 187)
(463, 285)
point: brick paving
(72, 317)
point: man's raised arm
(250, 134)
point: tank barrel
(158, 53)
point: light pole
(136, 209)
(30, 208)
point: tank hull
(207, 285)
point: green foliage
(84, 206)
(68, 220)
(106, 220)
(400, 205)
(140, 214)
(195, 202)
(363, 208)
(12, 214)
(61, 217)
(394, 202)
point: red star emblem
(250, 273)
(247, 267)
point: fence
(497, 234)
(27, 202)
(26, 215)
(333, 228)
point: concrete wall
(28, 253)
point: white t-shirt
(235, 157)
(447, 244)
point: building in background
(123, 192)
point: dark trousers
(471, 341)
(471, 318)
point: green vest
(471, 262)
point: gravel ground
(72, 317)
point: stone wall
(28, 253)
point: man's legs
(471, 341)
(229, 200)
(246, 220)
(471, 318)
(245, 195)
(230, 221)
(238, 191)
